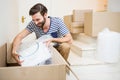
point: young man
(41, 24)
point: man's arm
(67, 38)
(16, 42)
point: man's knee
(65, 46)
(65, 49)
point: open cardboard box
(54, 71)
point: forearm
(15, 44)
(18, 39)
(67, 39)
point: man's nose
(36, 22)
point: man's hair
(38, 8)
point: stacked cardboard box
(95, 22)
(78, 15)
(75, 22)
(68, 21)
(76, 27)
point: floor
(89, 69)
(86, 67)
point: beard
(41, 24)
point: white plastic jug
(36, 54)
(108, 46)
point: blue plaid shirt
(57, 28)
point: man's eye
(33, 20)
(37, 19)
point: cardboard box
(95, 22)
(76, 24)
(76, 30)
(76, 27)
(3, 54)
(54, 71)
(68, 20)
(78, 15)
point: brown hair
(38, 8)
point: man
(41, 24)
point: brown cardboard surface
(9, 56)
(76, 30)
(77, 24)
(88, 24)
(97, 21)
(68, 20)
(54, 71)
(51, 72)
(3, 55)
(78, 15)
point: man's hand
(16, 57)
(48, 42)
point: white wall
(114, 5)
(13, 20)
(65, 7)
(8, 20)
(3, 24)
(8, 26)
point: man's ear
(45, 15)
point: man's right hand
(16, 57)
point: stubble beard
(41, 24)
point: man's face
(38, 19)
